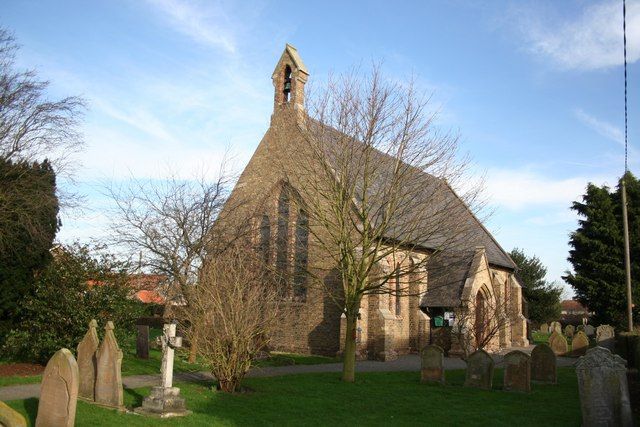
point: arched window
(286, 88)
(481, 318)
(398, 291)
(302, 256)
(282, 237)
(265, 238)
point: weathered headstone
(544, 328)
(109, 374)
(589, 330)
(555, 326)
(569, 331)
(604, 393)
(580, 344)
(558, 344)
(517, 371)
(580, 328)
(479, 370)
(11, 418)
(543, 364)
(142, 342)
(87, 364)
(432, 358)
(165, 400)
(605, 336)
(58, 391)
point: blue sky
(534, 89)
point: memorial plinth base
(163, 403)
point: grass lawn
(385, 398)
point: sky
(534, 89)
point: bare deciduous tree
(235, 308)
(169, 224)
(33, 127)
(375, 176)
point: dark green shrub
(77, 286)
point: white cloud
(519, 189)
(603, 128)
(589, 40)
(205, 25)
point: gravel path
(404, 363)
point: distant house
(146, 288)
(573, 312)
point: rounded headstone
(479, 370)
(580, 344)
(558, 344)
(432, 361)
(543, 364)
(58, 391)
(517, 371)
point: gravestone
(165, 400)
(517, 371)
(432, 358)
(569, 331)
(479, 370)
(58, 391)
(580, 328)
(558, 344)
(543, 364)
(142, 342)
(11, 418)
(544, 328)
(589, 330)
(580, 344)
(87, 365)
(604, 393)
(605, 336)
(109, 375)
(555, 326)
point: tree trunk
(349, 354)
(193, 348)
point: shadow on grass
(133, 397)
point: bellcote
(289, 78)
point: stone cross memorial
(543, 364)
(87, 362)
(517, 371)
(604, 392)
(479, 370)
(109, 390)
(165, 400)
(58, 391)
(432, 359)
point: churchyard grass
(540, 337)
(382, 398)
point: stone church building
(388, 325)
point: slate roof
(454, 245)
